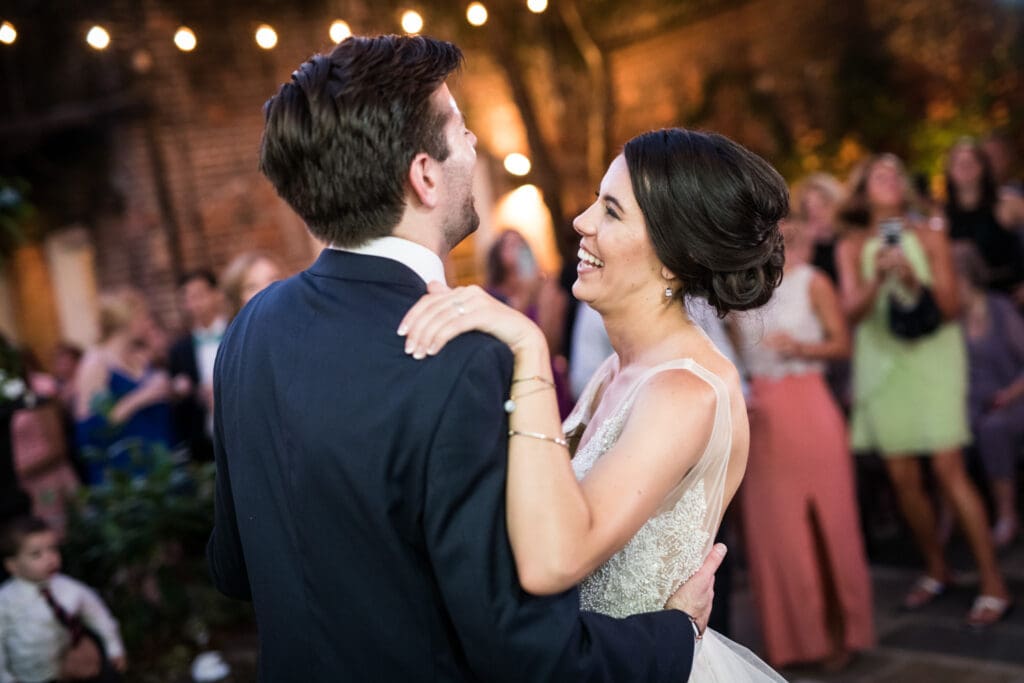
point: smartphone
(891, 229)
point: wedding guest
(804, 545)
(815, 200)
(122, 407)
(246, 276)
(514, 278)
(191, 361)
(14, 502)
(995, 344)
(65, 360)
(41, 461)
(910, 372)
(978, 213)
(52, 627)
(1002, 160)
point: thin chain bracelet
(535, 377)
(543, 437)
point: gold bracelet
(535, 377)
(534, 435)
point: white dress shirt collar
(416, 257)
(216, 328)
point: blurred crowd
(897, 331)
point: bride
(659, 438)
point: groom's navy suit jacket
(360, 501)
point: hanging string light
(517, 164)
(185, 39)
(340, 30)
(476, 14)
(412, 22)
(98, 38)
(8, 34)
(537, 6)
(266, 37)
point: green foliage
(141, 543)
(15, 214)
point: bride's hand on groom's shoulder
(443, 314)
(696, 595)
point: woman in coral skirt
(806, 554)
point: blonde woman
(247, 275)
(122, 408)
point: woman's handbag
(916, 319)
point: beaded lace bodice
(671, 546)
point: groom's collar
(416, 257)
(346, 265)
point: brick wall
(200, 142)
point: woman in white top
(804, 547)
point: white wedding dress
(672, 545)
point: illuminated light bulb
(517, 164)
(537, 6)
(266, 37)
(98, 38)
(412, 22)
(476, 14)
(8, 34)
(340, 30)
(185, 39)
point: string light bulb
(517, 164)
(476, 14)
(537, 6)
(98, 38)
(412, 22)
(185, 39)
(8, 34)
(266, 37)
(340, 30)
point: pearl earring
(669, 293)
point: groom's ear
(425, 180)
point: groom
(360, 493)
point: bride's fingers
(427, 305)
(436, 328)
(448, 330)
(428, 315)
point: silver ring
(459, 308)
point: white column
(71, 258)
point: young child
(50, 624)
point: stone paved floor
(930, 645)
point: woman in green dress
(910, 395)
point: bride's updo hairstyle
(712, 210)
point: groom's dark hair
(340, 136)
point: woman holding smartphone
(910, 372)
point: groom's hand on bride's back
(696, 595)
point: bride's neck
(648, 337)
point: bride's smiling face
(617, 261)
